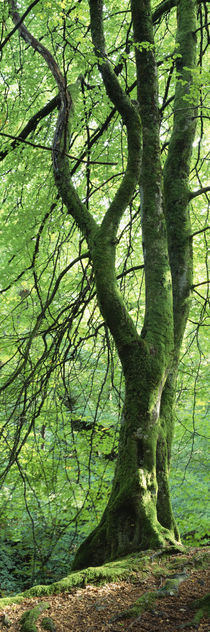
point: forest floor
(104, 608)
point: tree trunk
(138, 515)
(163, 453)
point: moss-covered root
(29, 617)
(202, 607)
(48, 624)
(145, 602)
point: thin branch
(39, 146)
(31, 125)
(198, 284)
(16, 27)
(197, 232)
(195, 194)
(204, 26)
(200, 295)
(123, 274)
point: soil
(100, 608)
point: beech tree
(122, 155)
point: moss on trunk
(177, 169)
(131, 521)
(139, 513)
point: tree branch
(162, 8)
(198, 284)
(158, 324)
(129, 116)
(31, 125)
(198, 232)
(16, 27)
(47, 109)
(195, 194)
(18, 139)
(40, 48)
(129, 270)
(62, 175)
(177, 168)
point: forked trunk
(139, 514)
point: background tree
(100, 198)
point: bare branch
(198, 284)
(133, 269)
(203, 230)
(18, 139)
(195, 194)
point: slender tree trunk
(163, 453)
(176, 196)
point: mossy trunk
(138, 515)
(163, 452)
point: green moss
(48, 624)
(132, 567)
(124, 568)
(145, 602)
(28, 626)
(30, 617)
(113, 571)
(203, 608)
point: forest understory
(160, 593)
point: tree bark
(131, 521)
(139, 513)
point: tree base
(103, 546)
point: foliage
(61, 409)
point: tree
(138, 514)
